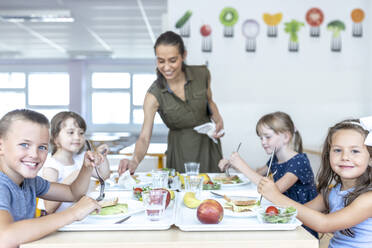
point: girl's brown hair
(326, 176)
(281, 122)
(56, 126)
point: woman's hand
(219, 132)
(126, 164)
(93, 159)
(268, 189)
(223, 163)
(83, 207)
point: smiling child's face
(23, 149)
(348, 155)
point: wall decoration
(184, 24)
(206, 31)
(314, 17)
(272, 22)
(357, 15)
(250, 29)
(292, 29)
(336, 27)
(228, 17)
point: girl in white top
(64, 163)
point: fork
(227, 173)
(268, 171)
(100, 179)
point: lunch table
(175, 237)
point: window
(117, 100)
(47, 93)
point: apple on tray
(210, 212)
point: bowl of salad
(276, 214)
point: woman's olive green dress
(184, 143)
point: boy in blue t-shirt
(24, 138)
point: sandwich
(111, 207)
(227, 180)
(108, 202)
(239, 203)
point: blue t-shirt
(20, 201)
(304, 189)
(362, 231)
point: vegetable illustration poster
(201, 18)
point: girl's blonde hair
(56, 126)
(326, 176)
(281, 122)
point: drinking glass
(159, 179)
(154, 203)
(194, 184)
(192, 168)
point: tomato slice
(272, 210)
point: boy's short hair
(21, 114)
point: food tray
(138, 221)
(186, 219)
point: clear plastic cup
(154, 203)
(192, 168)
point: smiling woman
(182, 96)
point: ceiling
(116, 28)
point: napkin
(209, 128)
(126, 180)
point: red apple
(167, 201)
(210, 212)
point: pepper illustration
(272, 22)
(228, 17)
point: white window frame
(131, 67)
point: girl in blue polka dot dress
(290, 168)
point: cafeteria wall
(315, 86)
